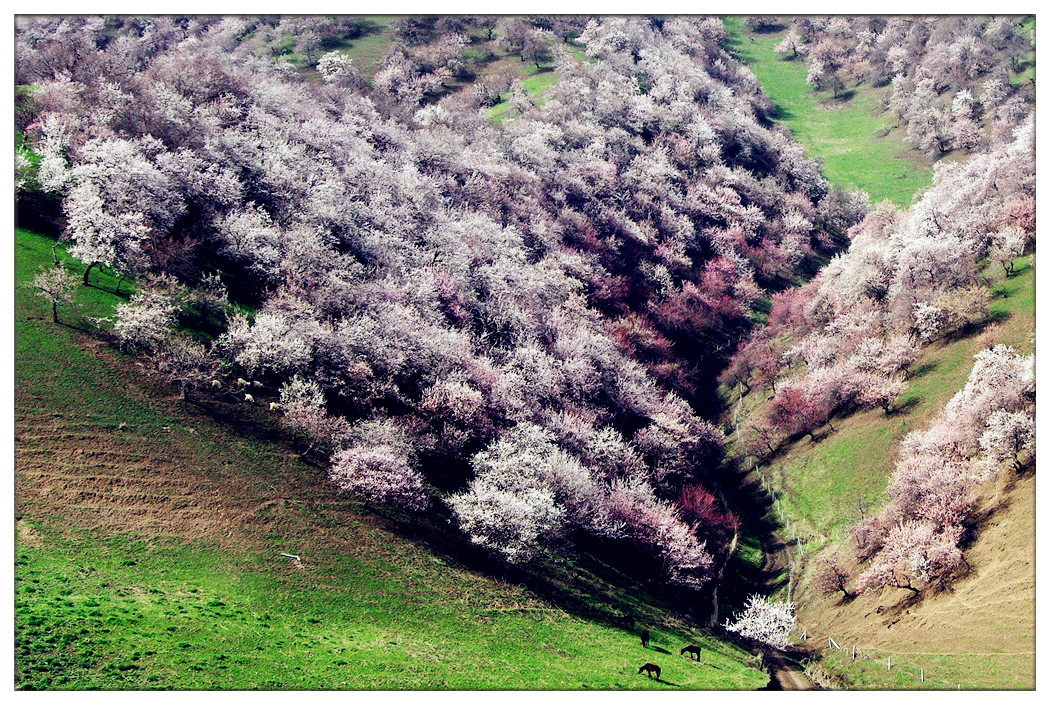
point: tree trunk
(119, 282)
(54, 311)
(88, 271)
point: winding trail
(745, 498)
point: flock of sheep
(243, 384)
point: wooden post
(922, 676)
(854, 652)
(887, 663)
(831, 642)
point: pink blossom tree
(915, 555)
(832, 577)
(380, 475)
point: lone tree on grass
(56, 287)
(765, 620)
(184, 363)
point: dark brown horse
(645, 638)
(650, 669)
(692, 649)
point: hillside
(980, 633)
(149, 542)
(512, 326)
(824, 487)
(455, 352)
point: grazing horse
(691, 649)
(645, 638)
(650, 669)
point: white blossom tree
(1007, 435)
(55, 286)
(145, 322)
(185, 363)
(765, 620)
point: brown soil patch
(116, 481)
(226, 475)
(27, 535)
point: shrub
(381, 475)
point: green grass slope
(978, 636)
(149, 541)
(824, 485)
(860, 146)
(535, 83)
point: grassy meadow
(858, 144)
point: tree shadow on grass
(843, 96)
(923, 369)
(996, 317)
(625, 601)
(779, 112)
(906, 405)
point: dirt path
(746, 501)
(784, 673)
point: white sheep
(216, 384)
(249, 398)
(257, 384)
(274, 406)
(241, 382)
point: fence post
(831, 642)
(887, 663)
(854, 652)
(804, 631)
(922, 676)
